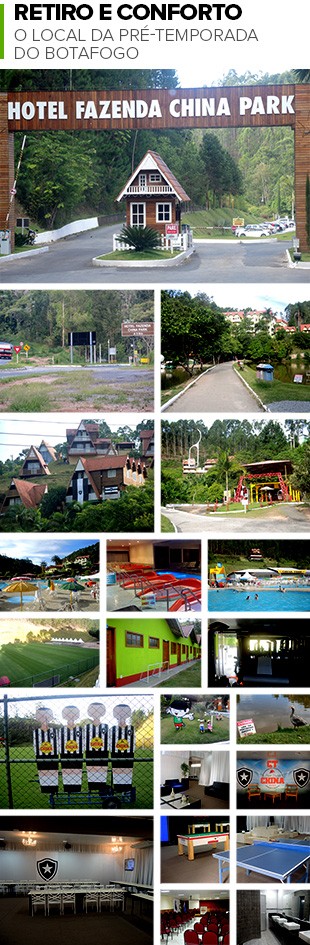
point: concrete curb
(143, 264)
(265, 408)
(188, 386)
(30, 252)
(236, 241)
(296, 265)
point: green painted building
(137, 647)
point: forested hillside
(70, 175)
(48, 315)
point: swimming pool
(28, 596)
(247, 600)
(179, 574)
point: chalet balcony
(149, 189)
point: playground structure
(267, 482)
(217, 575)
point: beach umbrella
(5, 681)
(20, 587)
(72, 586)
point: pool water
(258, 600)
(179, 574)
(28, 596)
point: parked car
(252, 229)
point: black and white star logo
(47, 868)
(244, 776)
(301, 777)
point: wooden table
(192, 842)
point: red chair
(210, 938)
(199, 928)
(226, 939)
(191, 937)
(213, 927)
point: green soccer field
(24, 660)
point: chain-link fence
(89, 752)
(63, 674)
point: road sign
(17, 348)
(81, 338)
(131, 329)
(26, 347)
(172, 229)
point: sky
(42, 549)
(144, 702)
(240, 296)
(16, 434)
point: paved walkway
(219, 390)
(281, 518)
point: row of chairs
(95, 901)
(208, 929)
(199, 935)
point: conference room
(78, 880)
(192, 916)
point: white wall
(20, 865)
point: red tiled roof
(93, 463)
(30, 493)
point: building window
(154, 643)
(111, 473)
(183, 648)
(134, 639)
(137, 214)
(163, 212)
(173, 649)
(155, 178)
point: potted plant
(185, 773)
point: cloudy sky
(276, 297)
(41, 548)
(16, 434)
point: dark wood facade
(271, 106)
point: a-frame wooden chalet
(153, 195)
(34, 464)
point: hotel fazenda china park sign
(242, 106)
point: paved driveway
(70, 262)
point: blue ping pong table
(278, 860)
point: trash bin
(5, 243)
(264, 372)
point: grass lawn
(26, 788)
(189, 677)
(166, 526)
(271, 391)
(87, 680)
(190, 734)
(305, 257)
(284, 736)
(24, 660)
(60, 475)
(77, 389)
(131, 254)
(239, 563)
